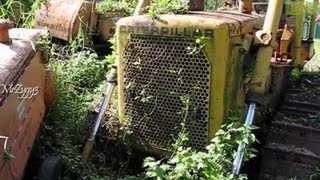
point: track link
(292, 147)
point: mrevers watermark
(22, 91)
(301, 7)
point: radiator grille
(159, 71)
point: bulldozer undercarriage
(292, 144)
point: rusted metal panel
(16, 56)
(239, 23)
(49, 90)
(245, 6)
(63, 17)
(285, 40)
(20, 115)
(4, 26)
(107, 24)
(20, 119)
(307, 50)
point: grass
(78, 80)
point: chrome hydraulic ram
(106, 101)
(266, 38)
(249, 119)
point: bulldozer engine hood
(191, 25)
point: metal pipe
(239, 157)
(102, 110)
(262, 63)
(106, 101)
(313, 21)
(93, 17)
(298, 61)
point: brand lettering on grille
(167, 31)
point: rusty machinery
(202, 56)
(65, 18)
(25, 93)
(288, 43)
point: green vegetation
(167, 6)
(156, 7)
(21, 12)
(214, 163)
(125, 6)
(79, 78)
(296, 73)
(212, 5)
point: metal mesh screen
(160, 75)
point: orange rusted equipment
(22, 96)
(64, 19)
(245, 6)
(282, 53)
(5, 25)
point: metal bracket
(264, 38)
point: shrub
(214, 163)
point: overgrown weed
(214, 163)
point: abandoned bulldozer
(207, 63)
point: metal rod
(102, 110)
(249, 119)
(106, 100)
(313, 21)
(261, 69)
(297, 40)
(141, 7)
(93, 17)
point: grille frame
(131, 106)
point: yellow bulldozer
(220, 60)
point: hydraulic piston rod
(262, 63)
(260, 72)
(106, 101)
(249, 119)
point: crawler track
(292, 148)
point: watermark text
(301, 7)
(22, 91)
